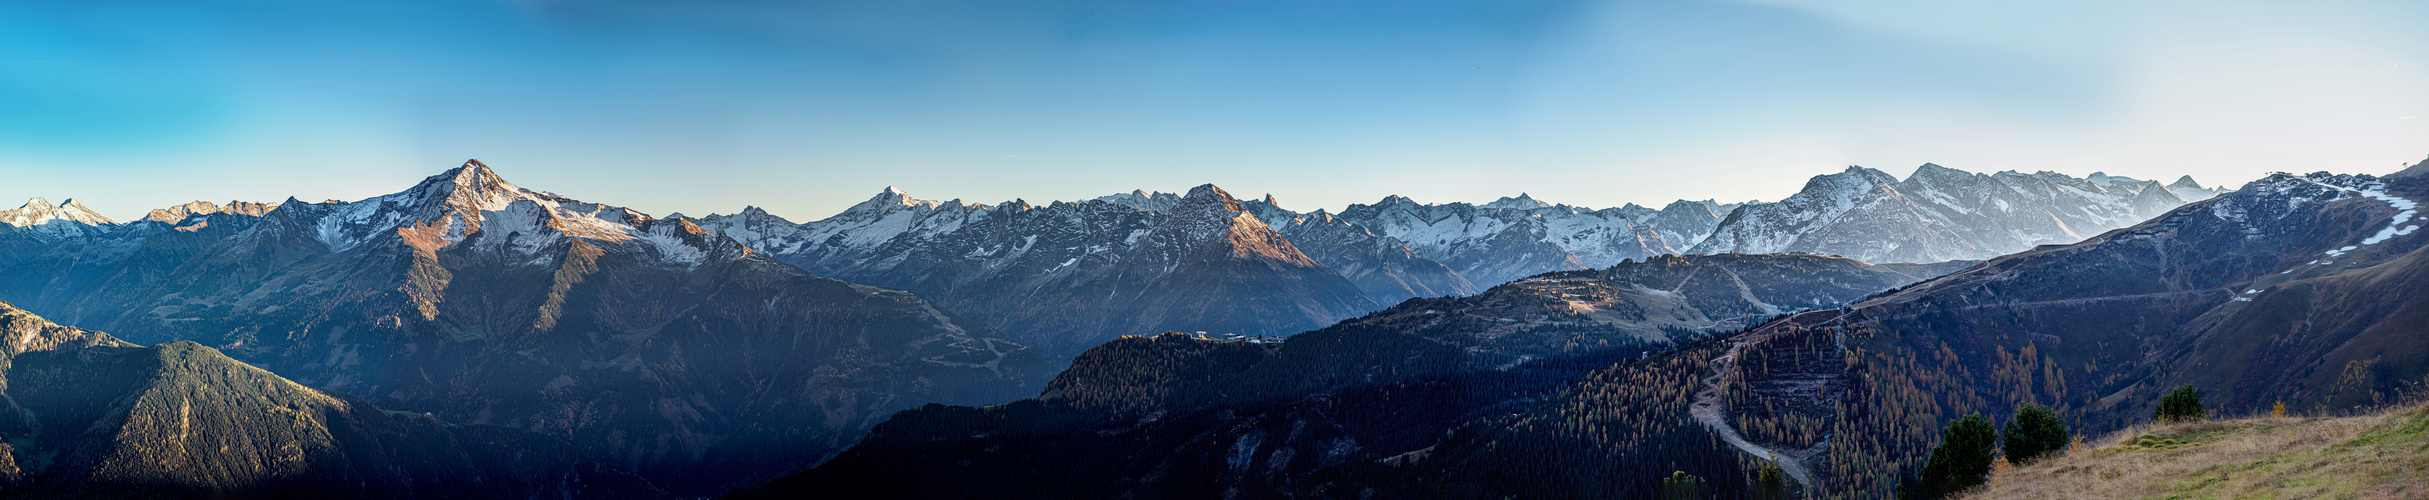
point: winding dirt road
(1709, 410)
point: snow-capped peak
(1522, 202)
(1143, 200)
(38, 212)
(2185, 188)
(891, 200)
(1208, 194)
(448, 208)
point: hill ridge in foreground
(97, 417)
(2376, 455)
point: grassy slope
(2381, 455)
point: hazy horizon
(805, 109)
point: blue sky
(807, 107)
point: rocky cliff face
(94, 416)
(666, 349)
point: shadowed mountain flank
(94, 416)
(1182, 416)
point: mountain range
(1068, 275)
(666, 350)
(634, 355)
(2296, 289)
(1940, 214)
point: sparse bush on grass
(2183, 405)
(2369, 456)
(2033, 434)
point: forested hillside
(95, 417)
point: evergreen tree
(2033, 434)
(2183, 405)
(1682, 486)
(1963, 459)
(1771, 483)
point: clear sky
(805, 107)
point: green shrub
(2033, 434)
(1962, 461)
(1683, 486)
(2183, 405)
(1772, 483)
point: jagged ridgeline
(1941, 213)
(90, 416)
(1331, 412)
(681, 355)
(1067, 275)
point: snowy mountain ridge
(1516, 237)
(1940, 213)
(1399, 248)
(471, 203)
(65, 220)
(1067, 275)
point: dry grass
(2384, 455)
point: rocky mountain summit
(175, 215)
(39, 219)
